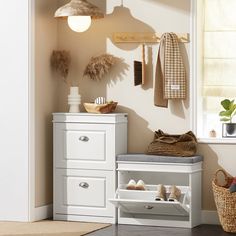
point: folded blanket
(170, 72)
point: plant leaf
(224, 119)
(231, 105)
(226, 113)
(222, 113)
(226, 104)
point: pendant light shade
(79, 8)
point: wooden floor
(130, 230)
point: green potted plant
(227, 116)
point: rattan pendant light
(79, 14)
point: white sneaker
(140, 185)
(131, 185)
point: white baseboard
(210, 217)
(43, 212)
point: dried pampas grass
(60, 61)
(99, 66)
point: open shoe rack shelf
(140, 208)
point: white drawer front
(84, 146)
(83, 192)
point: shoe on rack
(131, 185)
(175, 194)
(140, 185)
(161, 193)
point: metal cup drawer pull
(84, 138)
(84, 185)
(149, 207)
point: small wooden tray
(100, 108)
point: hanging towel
(170, 80)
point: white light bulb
(79, 23)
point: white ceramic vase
(74, 100)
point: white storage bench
(141, 208)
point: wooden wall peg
(128, 37)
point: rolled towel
(100, 100)
(131, 185)
(161, 193)
(140, 185)
(175, 194)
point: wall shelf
(145, 37)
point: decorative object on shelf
(212, 134)
(79, 14)
(225, 202)
(100, 100)
(60, 61)
(228, 129)
(100, 108)
(74, 100)
(139, 69)
(184, 145)
(99, 66)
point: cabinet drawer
(81, 192)
(84, 146)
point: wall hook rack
(135, 37)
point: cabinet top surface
(90, 118)
(88, 114)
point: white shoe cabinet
(140, 207)
(85, 150)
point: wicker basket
(225, 203)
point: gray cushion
(154, 158)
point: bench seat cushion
(160, 159)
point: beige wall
(144, 117)
(144, 15)
(46, 98)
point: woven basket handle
(225, 175)
(168, 140)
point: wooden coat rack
(128, 37)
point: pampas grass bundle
(99, 66)
(60, 61)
